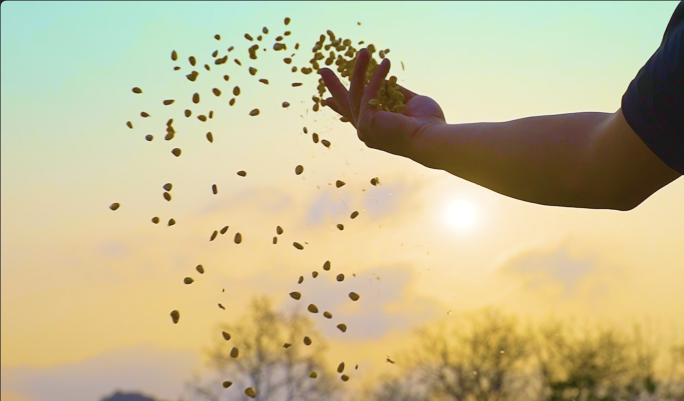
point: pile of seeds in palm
(327, 50)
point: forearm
(544, 160)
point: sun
(461, 214)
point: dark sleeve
(653, 104)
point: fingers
(338, 92)
(330, 102)
(373, 89)
(358, 82)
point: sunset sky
(86, 292)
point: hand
(394, 133)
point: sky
(86, 292)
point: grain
(250, 392)
(299, 169)
(188, 280)
(375, 181)
(340, 277)
(188, 113)
(325, 143)
(196, 98)
(226, 78)
(315, 137)
(137, 90)
(171, 222)
(265, 31)
(192, 60)
(354, 296)
(174, 55)
(236, 91)
(129, 124)
(202, 118)
(192, 76)
(238, 238)
(296, 84)
(294, 69)
(230, 49)
(298, 245)
(339, 184)
(295, 295)
(227, 384)
(155, 220)
(286, 105)
(287, 33)
(278, 38)
(242, 173)
(224, 230)
(301, 280)
(211, 114)
(221, 60)
(232, 102)
(327, 314)
(249, 37)
(200, 269)
(326, 266)
(314, 274)
(168, 102)
(167, 196)
(238, 62)
(344, 378)
(287, 60)
(213, 235)
(286, 345)
(214, 189)
(176, 68)
(279, 230)
(175, 316)
(226, 336)
(234, 353)
(340, 227)
(217, 92)
(313, 375)
(340, 368)
(264, 81)
(214, 54)
(114, 206)
(252, 71)
(217, 37)
(221, 306)
(342, 327)
(275, 240)
(306, 131)
(210, 137)
(149, 137)
(307, 340)
(287, 21)
(374, 103)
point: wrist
(426, 144)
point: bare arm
(585, 160)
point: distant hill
(119, 396)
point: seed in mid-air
(249, 37)
(114, 206)
(296, 84)
(168, 186)
(286, 105)
(299, 169)
(175, 315)
(279, 230)
(202, 118)
(340, 277)
(168, 102)
(340, 368)
(217, 92)
(250, 392)
(313, 375)
(188, 280)
(206, 67)
(155, 220)
(234, 352)
(188, 113)
(327, 314)
(252, 71)
(307, 340)
(275, 240)
(210, 137)
(375, 181)
(287, 345)
(232, 101)
(174, 55)
(176, 68)
(192, 60)
(238, 62)
(344, 378)
(339, 184)
(226, 78)
(171, 222)
(312, 308)
(264, 81)
(315, 137)
(129, 124)
(306, 131)
(238, 238)
(254, 112)
(200, 269)
(230, 49)
(226, 336)
(242, 173)
(149, 137)
(295, 295)
(236, 91)
(137, 90)
(192, 76)
(196, 98)
(342, 327)
(325, 143)
(224, 230)
(214, 54)
(354, 215)
(213, 235)
(287, 21)
(176, 152)
(211, 114)
(326, 266)
(298, 245)
(221, 306)
(167, 196)
(227, 384)
(354, 296)
(301, 280)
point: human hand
(396, 133)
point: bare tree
(277, 373)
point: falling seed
(168, 186)
(375, 181)
(236, 91)
(340, 277)
(167, 196)
(226, 336)
(252, 71)
(326, 266)
(250, 392)
(295, 295)
(210, 137)
(176, 152)
(340, 368)
(314, 274)
(227, 384)
(196, 98)
(213, 235)
(192, 60)
(192, 76)
(354, 215)
(149, 137)
(307, 340)
(214, 54)
(279, 38)
(286, 105)
(294, 69)
(224, 230)
(202, 117)
(286, 345)
(230, 49)
(342, 327)
(315, 137)
(287, 21)
(214, 189)
(216, 91)
(287, 60)
(155, 220)
(356, 367)
(206, 66)
(325, 143)
(175, 315)
(287, 33)
(344, 378)
(242, 173)
(264, 81)
(234, 352)
(129, 124)
(174, 55)
(298, 245)
(171, 222)
(168, 102)
(340, 227)
(279, 230)
(176, 68)
(188, 113)
(339, 184)
(254, 112)
(226, 78)
(296, 84)
(275, 240)
(200, 269)
(354, 296)
(301, 280)
(238, 238)
(114, 206)
(249, 37)
(313, 375)
(137, 90)
(211, 114)
(221, 306)
(306, 131)
(312, 308)
(144, 114)
(238, 62)
(188, 280)
(299, 169)
(327, 314)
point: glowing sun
(461, 214)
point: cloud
(265, 199)
(143, 368)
